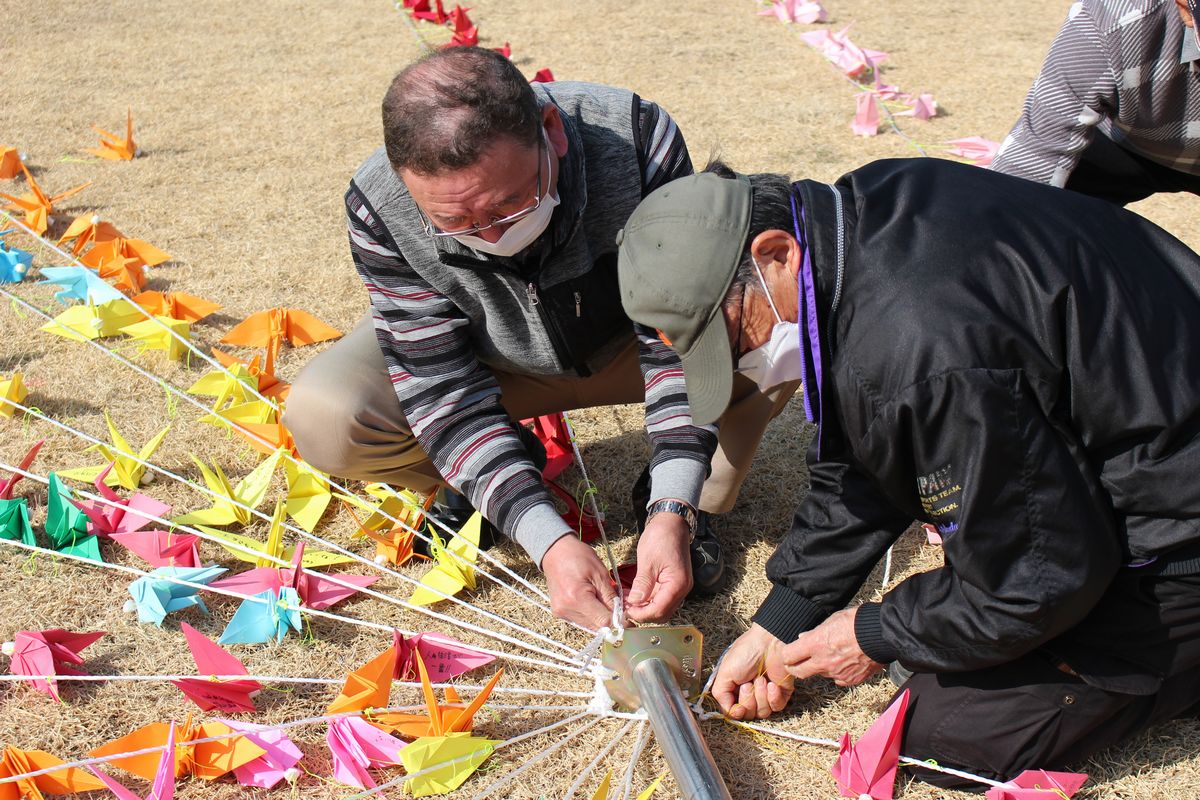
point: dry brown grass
(252, 117)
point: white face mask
(779, 360)
(523, 232)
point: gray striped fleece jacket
(1114, 67)
(445, 314)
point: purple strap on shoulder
(810, 329)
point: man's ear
(776, 247)
(552, 122)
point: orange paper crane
(209, 760)
(37, 205)
(64, 781)
(88, 229)
(395, 546)
(141, 253)
(440, 720)
(368, 686)
(176, 305)
(127, 274)
(113, 147)
(271, 327)
(10, 162)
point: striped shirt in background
(1114, 66)
(452, 401)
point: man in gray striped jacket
(485, 232)
(1115, 111)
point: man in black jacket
(1008, 362)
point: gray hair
(441, 112)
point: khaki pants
(346, 420)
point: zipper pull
(578, 304)
(531, 293)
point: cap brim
(708, 369)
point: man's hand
(830, 649)
(752, 681)
(664, 570)
(580, 588)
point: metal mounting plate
(680, 647)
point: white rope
(932, 765)
(254, 390)
(545, 729)
(590, 496)
(572, 659)
(292, 679)
(640, 745)
(536, 758)
(252, 598)
(591, 767)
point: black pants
(1030, 714)
(1110, 172)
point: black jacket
(1014, 363)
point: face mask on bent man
(779, 360)
(522, 233)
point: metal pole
(677, 732)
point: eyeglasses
(434, 231)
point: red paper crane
(867, 768)
(421, 10)
(315, 591)
(37, 205)
(231, 695)
(7, 486)
(465, 32)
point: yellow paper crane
(112, 146)
(126, 472)
(603, 789)
(85, 322)
(308, 493)
(37, 205)
(250, 491)
(234, 386)
(272, 551)
(88, 229)
(12, 389)
(162, 333)
(454, 567)
(448, 739)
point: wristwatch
(675, 507)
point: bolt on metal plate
(680, 647)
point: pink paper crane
(1038, 784)
(445, 658)
(805, 11)
(277, 764)
(163, 787)
(867, 768)
(44, 654)
(316, 592)
(230, 696)
(866, 114)
(6, 487)
(117, 515)
(356, 746)
(837, 48)
(976, 149)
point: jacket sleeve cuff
(868, 630)
(786, 614)
(678, 479)
(538, 528)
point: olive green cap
(678, 255)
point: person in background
(1115, 110)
